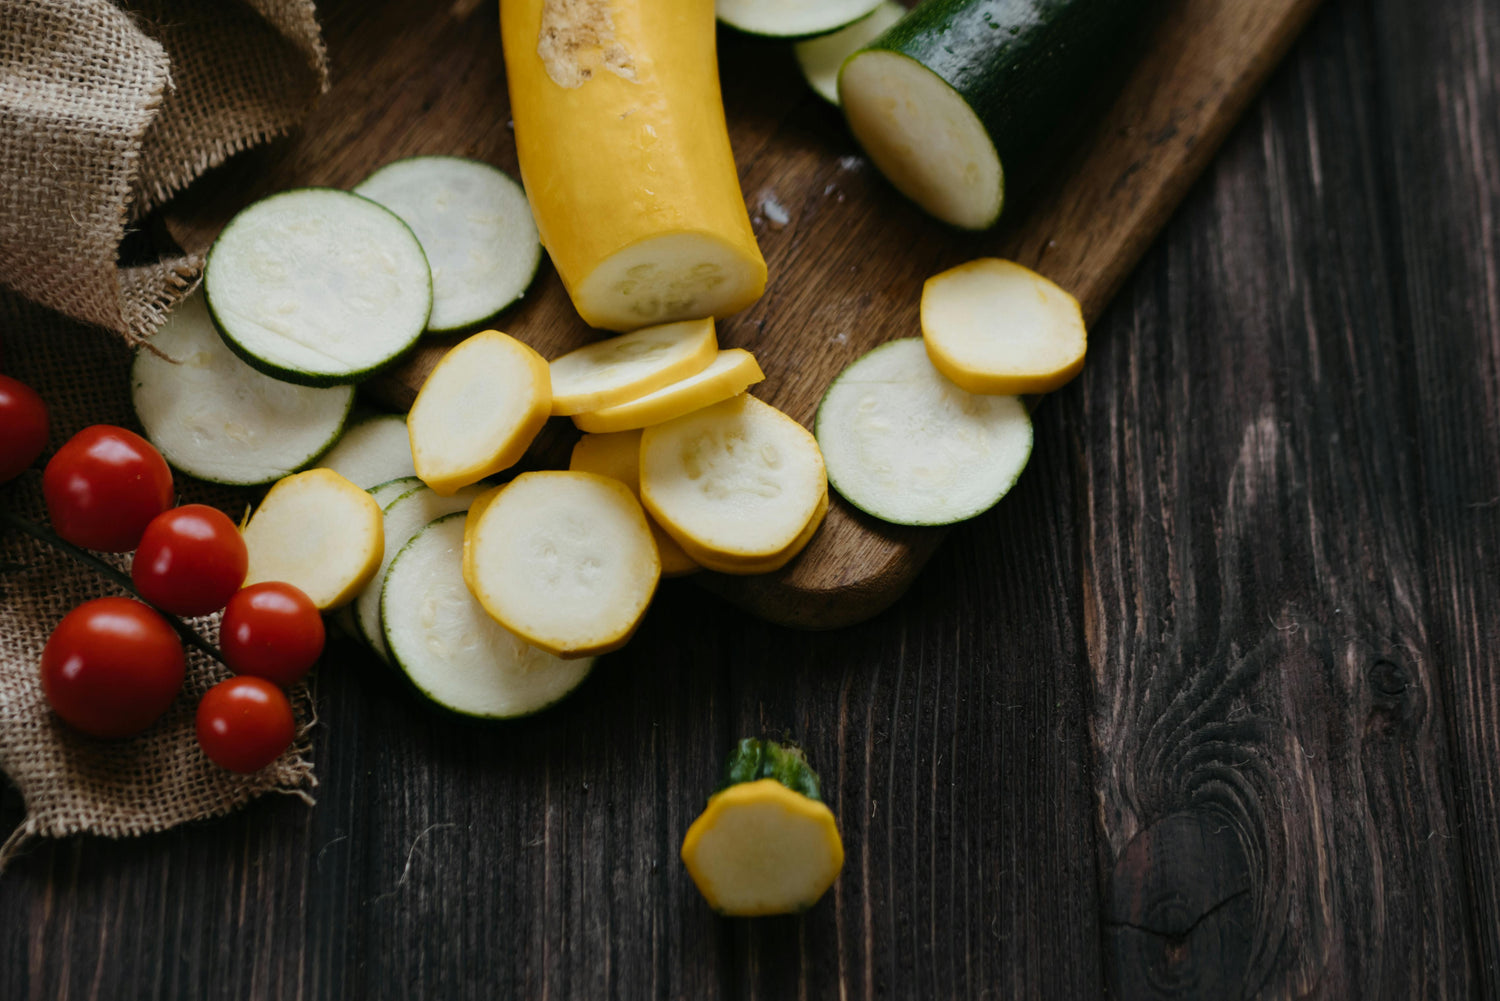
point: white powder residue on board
(771, 210)
(851, 162)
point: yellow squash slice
(478, 411)
(319, 532)
(564, 560)
(721, 563)
(997, 328)
(739, 480)
(625, 157)
(619, 369)
(618, 456)
(730, 373)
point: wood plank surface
(1207, 709)
(847, 255)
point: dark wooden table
(1209, 707)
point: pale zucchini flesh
(993, 326)
(792, 18)
(318, 532)
(618, 456)
(564, 560)
(619, 369)
(214, 417)
(924, 137)
(478, 411)
(374, 450)
(820, 58)
(739, 478)
(475, 227)
(450, 649)
(730, 373)
(318, 286)
(907, 446)
(403, 517)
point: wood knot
(1180, 918)
(1397, 701)
(1388, 678)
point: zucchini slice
(388, 491)
(791, 18)
(318, 286)
(820, 58)
(907, 446)
(402, 519)
(739, 480)
(619, 369)
(730, 373)
(318, 531)
(564, 560)
(216, 418)
(478, 411)
(475, 227)
(450, 649)
(766, 843)
(960, 93)
(374, 450)
(618, 456)
(993, 326)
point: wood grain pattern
(848, 263)
(1206, 710)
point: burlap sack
(105, 111)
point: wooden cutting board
(847, 255)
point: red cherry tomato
(244, 724)
(190, 560)
(23, 427)
(271, 630)
(104, 486)
(111, 667)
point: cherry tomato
(111, 667)
(104, 486)
(271, 630)
(23, 427)
(190, 560)
(244, 724)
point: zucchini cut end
(759, 849)
(924, 137)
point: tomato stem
(115, 574)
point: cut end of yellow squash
(997, 328)
(318, 532)
(759, 848)
(478, 411)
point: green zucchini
(961, 93)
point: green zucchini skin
(753, 759)
(1021, 65)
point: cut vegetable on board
(564, 560)
(402, 519)
(766, 843)
(731, 372)
(372, 450)
(618, 456)
(475, 227)
(625, 156)
(214, 417)
(317, 532)
(478, 411)
(993, 326)
(450, 649)
(907, 446)
(792, 18)
(619, 369)
(318, 286)
(821, 58)
(737, 482)
(960, 94)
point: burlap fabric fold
(107, 110)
